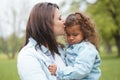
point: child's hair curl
(86, 26)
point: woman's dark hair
(40, 26)
(86, 26)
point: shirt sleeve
(29, 68)
(82, 67)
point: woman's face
(58, 25)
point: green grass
(109, 67)
(8, 69)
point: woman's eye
(60, 19)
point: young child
(82, 57)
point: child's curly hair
(86, 25)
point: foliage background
(105, 14)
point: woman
(40, 48)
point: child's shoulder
(86, 44)
(87, 47)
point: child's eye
(75, 34)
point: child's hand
(52, 68)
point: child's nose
(71, 37)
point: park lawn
(8, 69)
(109, 67)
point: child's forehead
(73, 27)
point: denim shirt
(32, 63)
(82, 62)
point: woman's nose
(63, 22)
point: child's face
(74, 34)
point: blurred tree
(68, 6)
(16, 19)
(106, 13)
(3, 47)
(11, 45)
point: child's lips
(71, 42)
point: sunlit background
(105, 14)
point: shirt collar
(75, 45)
(43, 48)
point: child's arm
(83, 66)
(52, 68)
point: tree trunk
(108, 48)
(117, 39)
(7, 55)
(13, 55)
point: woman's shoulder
(27, 50)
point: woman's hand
(52, 68)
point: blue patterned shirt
(82, 62)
